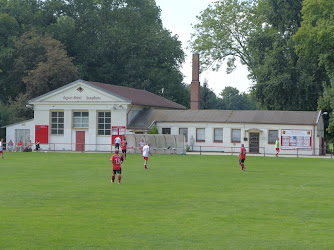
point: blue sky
(178, 17)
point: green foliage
(64, 200)
(283, 81)
(222, 32)
(120, 42)
(208, 99)
(315, 41)
(43, 64)
(153, 130)
(233, 100)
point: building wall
(93, 141)
(227, 145)
(10, 130)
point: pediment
(78, 91)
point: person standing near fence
(242, 157)
(117, 142)
(277, 147)
(124, 144)
(146, 152)
(1, 148)
(116, 161)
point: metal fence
(262, 151)
(176, 148)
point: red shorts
(0, 152)
(277, 149)
(145, 158)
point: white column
(92, 131)
(68, 129)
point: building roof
(134, 96)
(25, 121)
(138, 96)
(144, 119)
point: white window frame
(233, 135)
(218, 137)
(57, 122)
(104, 123)
(80, 119)
(200, 134)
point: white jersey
(0, 146)
(118, 140)
(146, 150)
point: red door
(80, 141)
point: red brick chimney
(195, 85)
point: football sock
(119, 179)
(113, 178)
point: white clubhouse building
(87, 116)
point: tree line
(287, 46)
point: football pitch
(66, 200)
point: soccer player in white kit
(146, 152)
(1, 148)
(141, 145)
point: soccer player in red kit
(116, 160)
(123, 147)
(242, 157)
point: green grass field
(66, 200)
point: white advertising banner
(295, 138)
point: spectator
(10, 146)
(19, 146)
(37, 146)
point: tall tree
(222, 33)
(42, 64)
(315, 41)
(283, 81)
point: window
(184, 131)
(200, 134)
(272, 136)
(80, 120)
(218, 135)
(104, 123)
(236, 135)
(166, 131)
(57, 123)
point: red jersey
(242, 153)
(123, 145)
(116, 161)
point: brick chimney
(195, 85)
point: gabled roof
(131, 95)
(138, 96)
(147, 117)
